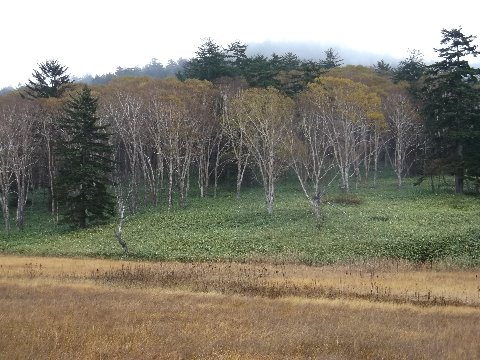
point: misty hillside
(315, 51)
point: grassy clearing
(91, 309)
(408, 224)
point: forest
(140, 141)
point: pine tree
(411, 69)
(451, 98)
(332, 59)
(85, 164)
(51, 80)
(209, 64)
(213, 62)
(382, 68)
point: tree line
(139, 141)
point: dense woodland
(146, 136)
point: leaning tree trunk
(118, 233)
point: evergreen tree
(51, 80)
(382, 68)
(235, 56)
(411, 69)
(209, 64)
(85, 163)
(332, 59)
(451, 97)
(213, 62)
(262, 72)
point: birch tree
(123, 108)
(310, 148)
(263, 116)
(17, 147)
(49, 113)
(231, 127)
(405, 131)
(6, 160)
(345, 106)
(23, 156)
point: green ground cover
(411, 223)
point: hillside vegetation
(168, 168)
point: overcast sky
(96, 36)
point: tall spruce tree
(85, 163)
(451, 98)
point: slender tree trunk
(215, 172)
(51, 177)
(22, 191)
(358, 175)
(316, 202)
(161, 170)
(399, 180)
(239, 178)
(376, 155)
(187, 187)
(19, 221)
(269, 180)
(118, 233)
(345, 180)
(6, 211)
(5, 183)
(399, 163)
(200, 177)
(181, 190)
(241, 167)
(170, 182)
(6, 217)
(270, 196)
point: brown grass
(95, 309)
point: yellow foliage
(346, 98)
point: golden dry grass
(53, 308)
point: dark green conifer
(51, 80)
(451, 96)
(85, 165)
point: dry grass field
(54, 308)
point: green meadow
(412, 223)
